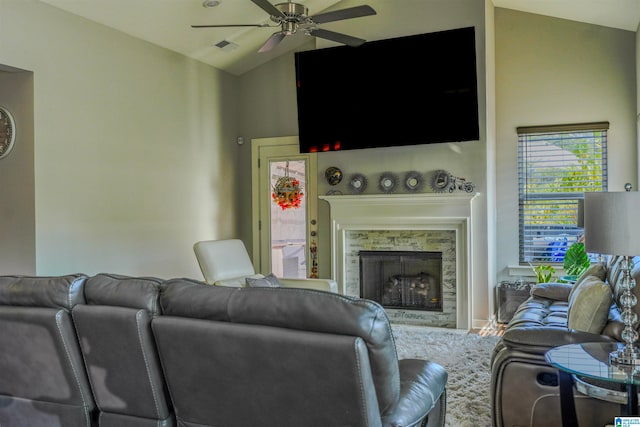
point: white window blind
(556, 166)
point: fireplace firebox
(402, 279)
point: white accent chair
(227, 263)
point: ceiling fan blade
(269, 8)
(272, 42)
(229, 25)
(348, 13)
(337, 37)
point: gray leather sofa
(524, 388)
(114, 351)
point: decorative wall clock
(7, 132)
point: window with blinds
(556, 166)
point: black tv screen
(418, 89)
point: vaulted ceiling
(167, 23)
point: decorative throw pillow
(597, 269)
(589, 306)
(237, 282)
(268, 281)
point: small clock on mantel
(7, 132)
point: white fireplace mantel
(424, 211)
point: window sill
(526, 271)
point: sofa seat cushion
(538, 311)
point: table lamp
(611, 226)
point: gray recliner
(289, 357)
(114, 327)
(227, 263)
(42, 378)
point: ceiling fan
(291, 17)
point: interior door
(284, 219)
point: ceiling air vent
(226, 45)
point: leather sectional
(524, 387)
(111, 351)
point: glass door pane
(288, 219)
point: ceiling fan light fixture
(210, 3)
(289, 27)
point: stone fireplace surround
(397, 214)
(443, 241)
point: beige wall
(272, 87)
(491, 166)
(546, 70)
(553, 71)
(17, 200)
(134, 146)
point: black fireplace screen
(402, 279)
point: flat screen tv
(418, 89)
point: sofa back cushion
(62, 292)
(232, 374)
(614, 273)
(42, 377)
(615, 276)
(121, 358)
(296, 309)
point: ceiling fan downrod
(290, 10)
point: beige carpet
(466, 357)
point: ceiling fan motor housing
(294, 15)
(290, 10)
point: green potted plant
(544, 272)
(576, 262)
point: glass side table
(591, 360)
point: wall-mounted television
(418, 89)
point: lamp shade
(611, 224)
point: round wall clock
(7, 132)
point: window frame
(538, 199)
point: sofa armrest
(422, 383)
(552, 290)
(327, 285)
(541, 338)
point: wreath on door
(287, 192)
